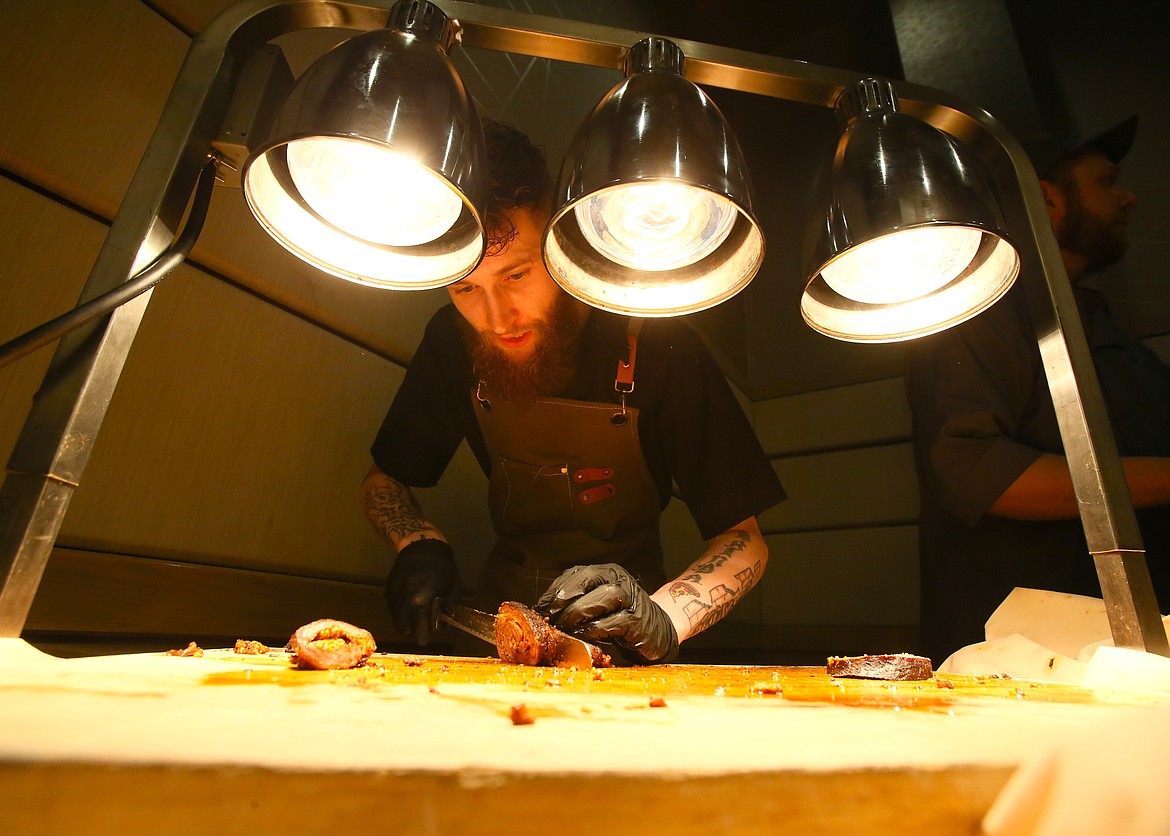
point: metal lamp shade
(394, 94)
(655, 128)
(892, 175)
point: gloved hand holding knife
(604, 603)
(424, 571)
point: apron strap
(624, 382)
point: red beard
(547, 370)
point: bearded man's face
(1095, 213)
(521, 327)
(547, 370)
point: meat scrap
(521, 716)
(889, 666)
(600, 660)
(328, 644)
(191, 649)
(524, 637)
(249, 648)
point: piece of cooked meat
(246, 647)
(191, 649)
(892, 666)
(524, 637)
(328, 644)
(600, 660)
(521, 716)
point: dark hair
(1060, 173)
(518, 177)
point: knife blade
(482, 625)
(570, 652)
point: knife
(571, 652)
(479, 624)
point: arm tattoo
(723, 599)
(737, 544)
(393, 511)
(678, 589)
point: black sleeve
(423, 427)
(702, 434)
(979, 417)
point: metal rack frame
(55, 443)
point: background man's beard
(547, 370)
(1085, 234)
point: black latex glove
(604, 603)
(423, 571)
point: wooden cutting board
(225, 741)
(577, 690)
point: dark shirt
(693, 432)
(982, 413)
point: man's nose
(1125, 197)
(501, 313)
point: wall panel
(42, 279)
(843, 547)
(237, 434)
(846, 488)
(83, 86)
(827, 419)
(91, 596)
(854, 577)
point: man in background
(998, 509)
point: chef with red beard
(585, 423)
(997, 504)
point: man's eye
(515, 277)
(462, 289)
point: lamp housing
(652, 209)
(374, 168)
(912, 241)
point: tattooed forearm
(710, 562)
(392, 509)
(729, 568)
(710, 616)
(723, 599)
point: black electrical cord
(136, 285)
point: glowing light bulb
(372, 193)
(655, 226)
(903, 265)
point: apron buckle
(619, 419)
(483, 402)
